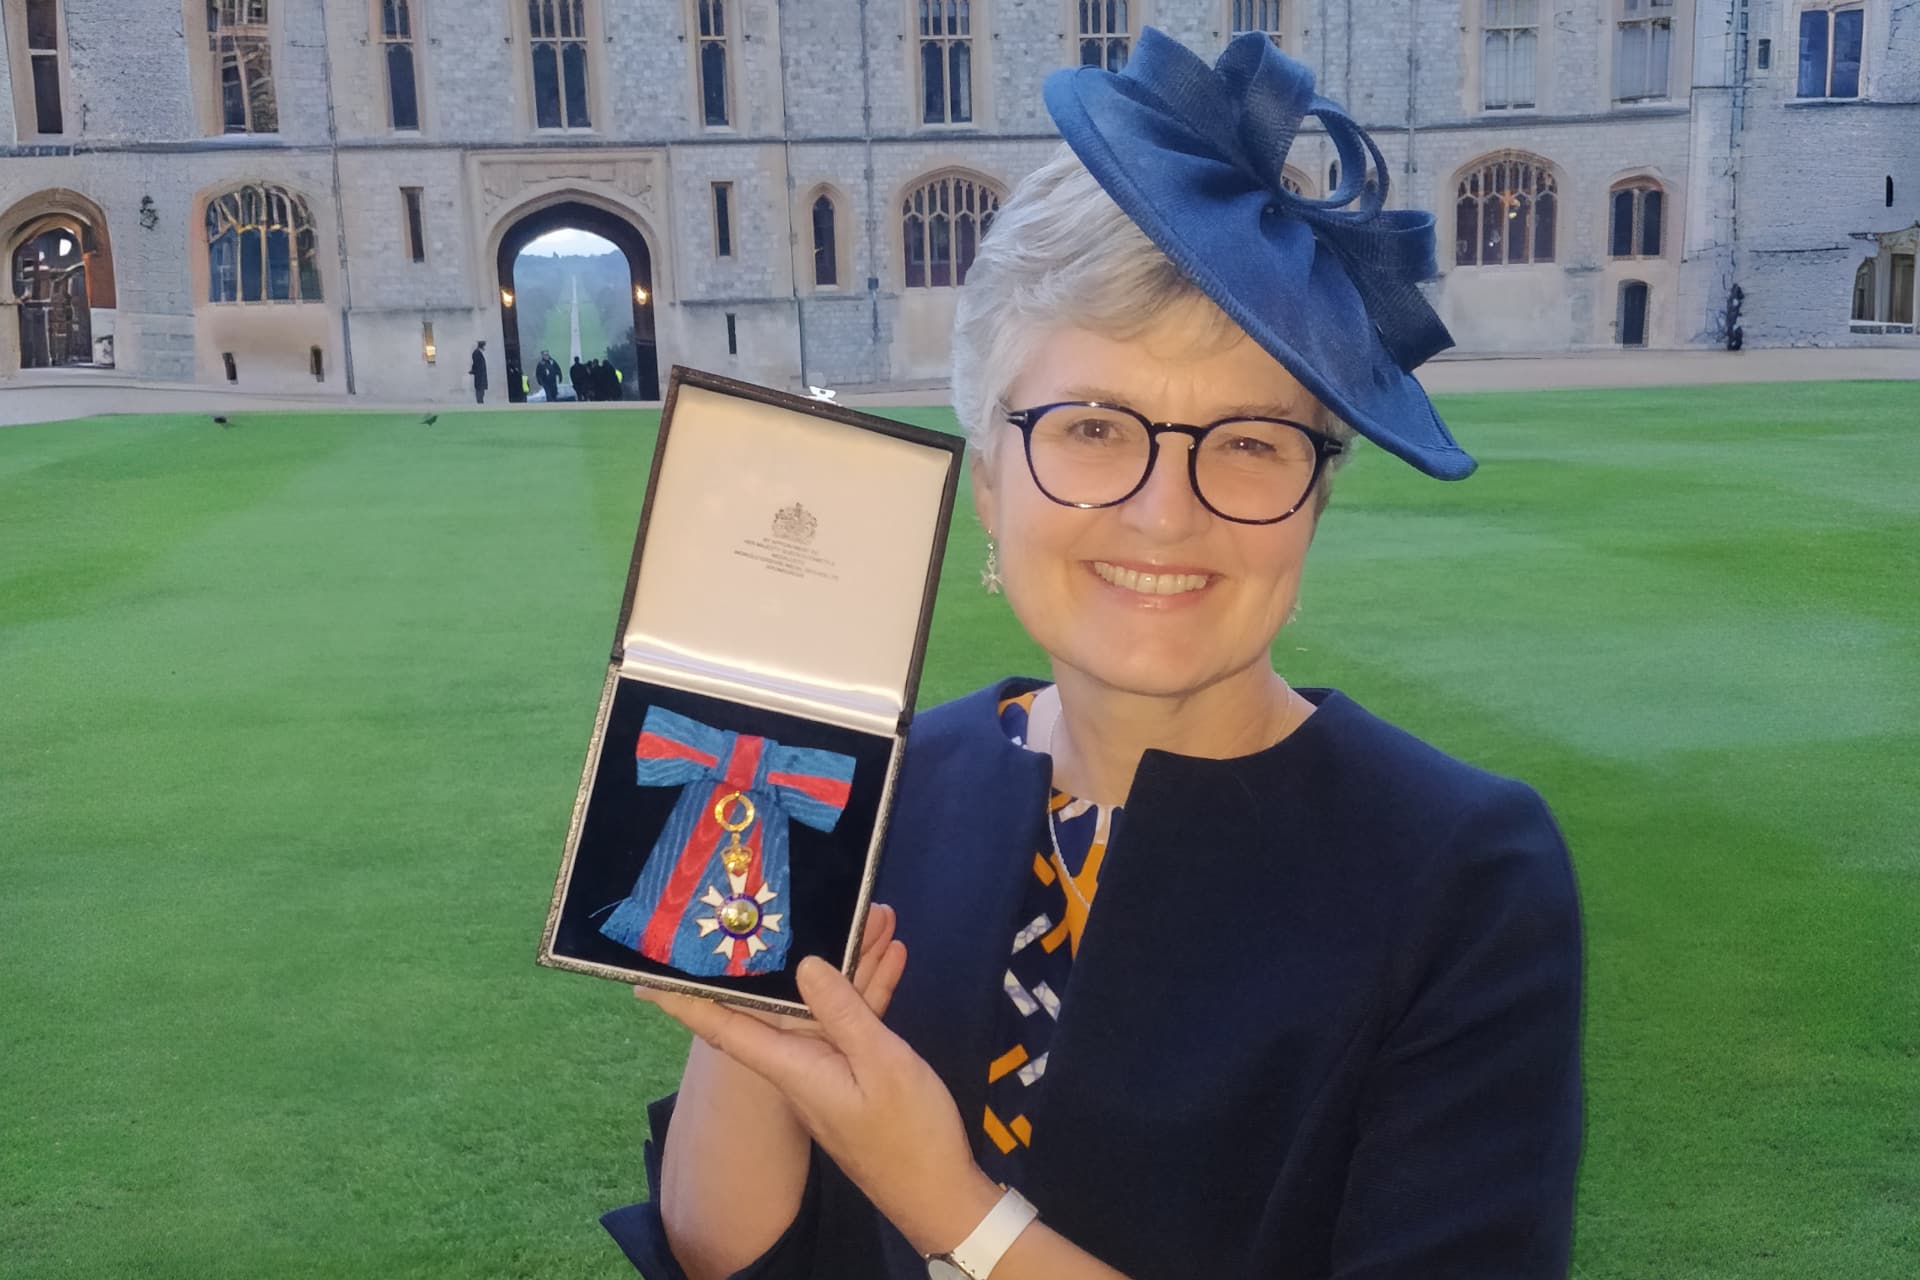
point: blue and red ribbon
(663, 917)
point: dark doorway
(50, 281)
(1633, 314)
(627, 238)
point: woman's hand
(864, 1095)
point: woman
(1323, 1020)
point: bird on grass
(220, 419)
(430, 419)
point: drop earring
(990, 576)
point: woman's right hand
(723, 1203)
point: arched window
(1634, 220)
(1106, 33)
(826, 265)
(1509, 54)
(1642, 50)
(941, 224)
(396, 36)
(1832, 46)
(1268, 16)
(1630, 326)
(1504, 213)
(713, 61)
(1291, 179)
(261, 247)
(1864, 295)
(240, 36)
(557, 31)
(946, 61)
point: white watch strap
(981, 1252)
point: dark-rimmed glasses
(1088, 454)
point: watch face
(942, 1269)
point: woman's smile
(1158, 584)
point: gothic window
(1291, 179)
(1900, 288)
(1106, 36)
(1504, 213)
(396, 40)
(946, 61)
(1634, 222)
(723, 219)
(713, 61)
(1269, 16)
(1830, 47)
(1863, 292)
(558, 33)
(1509, 45)
(826, 267)
(941, 224)
(1642, 50)
(43, 57)
(241, 42)
(261, 247)
(416, 231)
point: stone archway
(58, 259)
(610, 226)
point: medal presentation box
(735, 797)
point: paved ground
(43, 396)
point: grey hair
(1062, 253)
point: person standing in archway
(547, 374)
(478, 368)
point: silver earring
(990, 576)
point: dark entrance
(1633, 314)
(50, 281)
(608, 226)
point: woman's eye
(1248, 446)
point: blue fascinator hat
(1193, 154)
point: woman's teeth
(1152, 584)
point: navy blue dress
(1324, 1024)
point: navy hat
(1193, 154)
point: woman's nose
(1166, 505)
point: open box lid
(788, 553)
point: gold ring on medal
(720, 811)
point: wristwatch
(975, 1257)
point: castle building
(330, 195)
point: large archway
(59, 264)
(609, 226)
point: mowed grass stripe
(288, 793)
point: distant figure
(609, 382)
(577, 375)
(547, 374)
(479, 371)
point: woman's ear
(980, 475)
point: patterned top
(1053, 912)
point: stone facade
(1782, 194)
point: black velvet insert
(623, 820)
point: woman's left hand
(870, 1101)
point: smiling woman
(1209, 975)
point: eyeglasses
(1086, 454)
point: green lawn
(292, 715)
